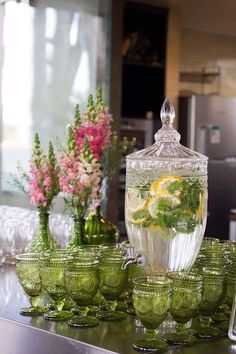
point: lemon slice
(202, 198)
(153, 203)
(157, 228)
(159, 186)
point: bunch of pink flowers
(80, 176)
(81, 163)
(43, 178)
(95, 127)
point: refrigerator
(207, 124)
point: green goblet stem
(34, 301)
(59, 305)
(111, 305)
(150, 334)
(181, 328)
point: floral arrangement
(43, 177)
(82, 162)
(82, 166)
(41, 184)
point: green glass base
(111, 315)
(32, 311)
(145, 345)
(206, 332)
(57, 315)
(80, 321)
(183, 338)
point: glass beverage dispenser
(166, 200)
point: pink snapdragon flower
(97, 131)
(80, 174)
(43, 181)
(80, 180)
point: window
(54, 53)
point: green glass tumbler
(152, 300)
(52, 273)
(82, 281)
(27, 270)
(186, 297)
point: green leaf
(175, 187)
(140, 214)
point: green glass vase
(78, 233)
(43, 241)
(99, 231)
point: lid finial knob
(167, 113)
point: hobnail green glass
(212, 296)
(52, 273)
(82, 281)
(98, 230)
(43, 241)
(87, 250)
(27, 270)
(209, 240)
(152, 299)
(186, 297)
(113, 280)
(78, 233)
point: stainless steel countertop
(26, 335)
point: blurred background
(53, 53)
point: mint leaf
(175, 187)
(140, 214)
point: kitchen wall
(202, 49)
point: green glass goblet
(209, 240)
(212, 296)
(186, 297)
(113, 280)
(52, 274)
(27, 270)
(82, 281)
(152, 299)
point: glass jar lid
(167, 152)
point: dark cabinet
(144, 54)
